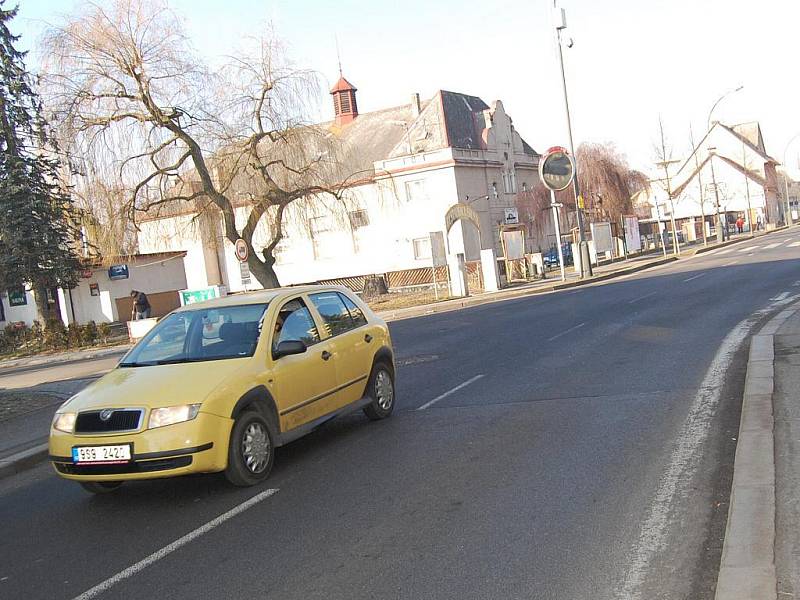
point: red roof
(343, 86)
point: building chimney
(344, 101)
(416, 107)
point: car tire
(251, 450)
(100, 487)
(380, 389)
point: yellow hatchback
(217, 386)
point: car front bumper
(196, 446)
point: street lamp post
(561, 23)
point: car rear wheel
(380, 389)
(251, 451)
(100, 487)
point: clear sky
(631, 59)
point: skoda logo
(105, 415)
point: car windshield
(200, 335)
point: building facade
(415, 162)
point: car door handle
(326, 355)
(368, 338)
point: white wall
(15, 314)
(147, 275)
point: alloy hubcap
(255, 448)
(384, 390)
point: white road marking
(780, 297)
(695, 277)
(771, 246)
(796, 284)
(570, 330)
(794, 244)
(750, 249)
(685, 458)
(450, 392)
(166, 550)
(728, 264)
(635, 300)
(723, 251)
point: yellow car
(217, 386)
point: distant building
(729, 165)
(415, 161)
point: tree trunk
(43, 311)
(264, 272)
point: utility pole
(700, 184)
(561, 23)
(665, 162)
(747, 190)
(720, 228)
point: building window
(415, 190)
(422, 248)
(358, 219)
(510, 182)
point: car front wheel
(381, 390)
(251, 451)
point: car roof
(260, 296)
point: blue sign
(118, 272)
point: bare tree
(233, 142)
(607, 180)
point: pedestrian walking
(141, 306)
(740, 224)
(759, 224)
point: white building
(735, 159)
(418, 160)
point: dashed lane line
(451, 392)
(570, 330)
(698, 276)
(635, 300)
(177, 544)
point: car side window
(355, 312)
(295, 323)
(333, 312)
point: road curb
(21, 461)
(747, 568)
(458, 304)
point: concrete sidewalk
(36, 361)
(761, 552)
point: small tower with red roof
(344, 101)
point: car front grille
(144, 466)
(122, 419)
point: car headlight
(160, 417)
(64, 422)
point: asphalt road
(584, 454)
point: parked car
(217, 386)
(550, 257)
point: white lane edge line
(695, 277)
(749, 249)
(794, 244)
(450, 392)
(772, 246)
(780, 297)
(571, 329)
(733, 262)
(635, 300)
(170, 548)
(685, 457)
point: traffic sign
(242, 252)
(556, 169)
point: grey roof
(460, 116)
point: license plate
(107, 455)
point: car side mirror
(289, 347)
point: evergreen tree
(37, 217)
